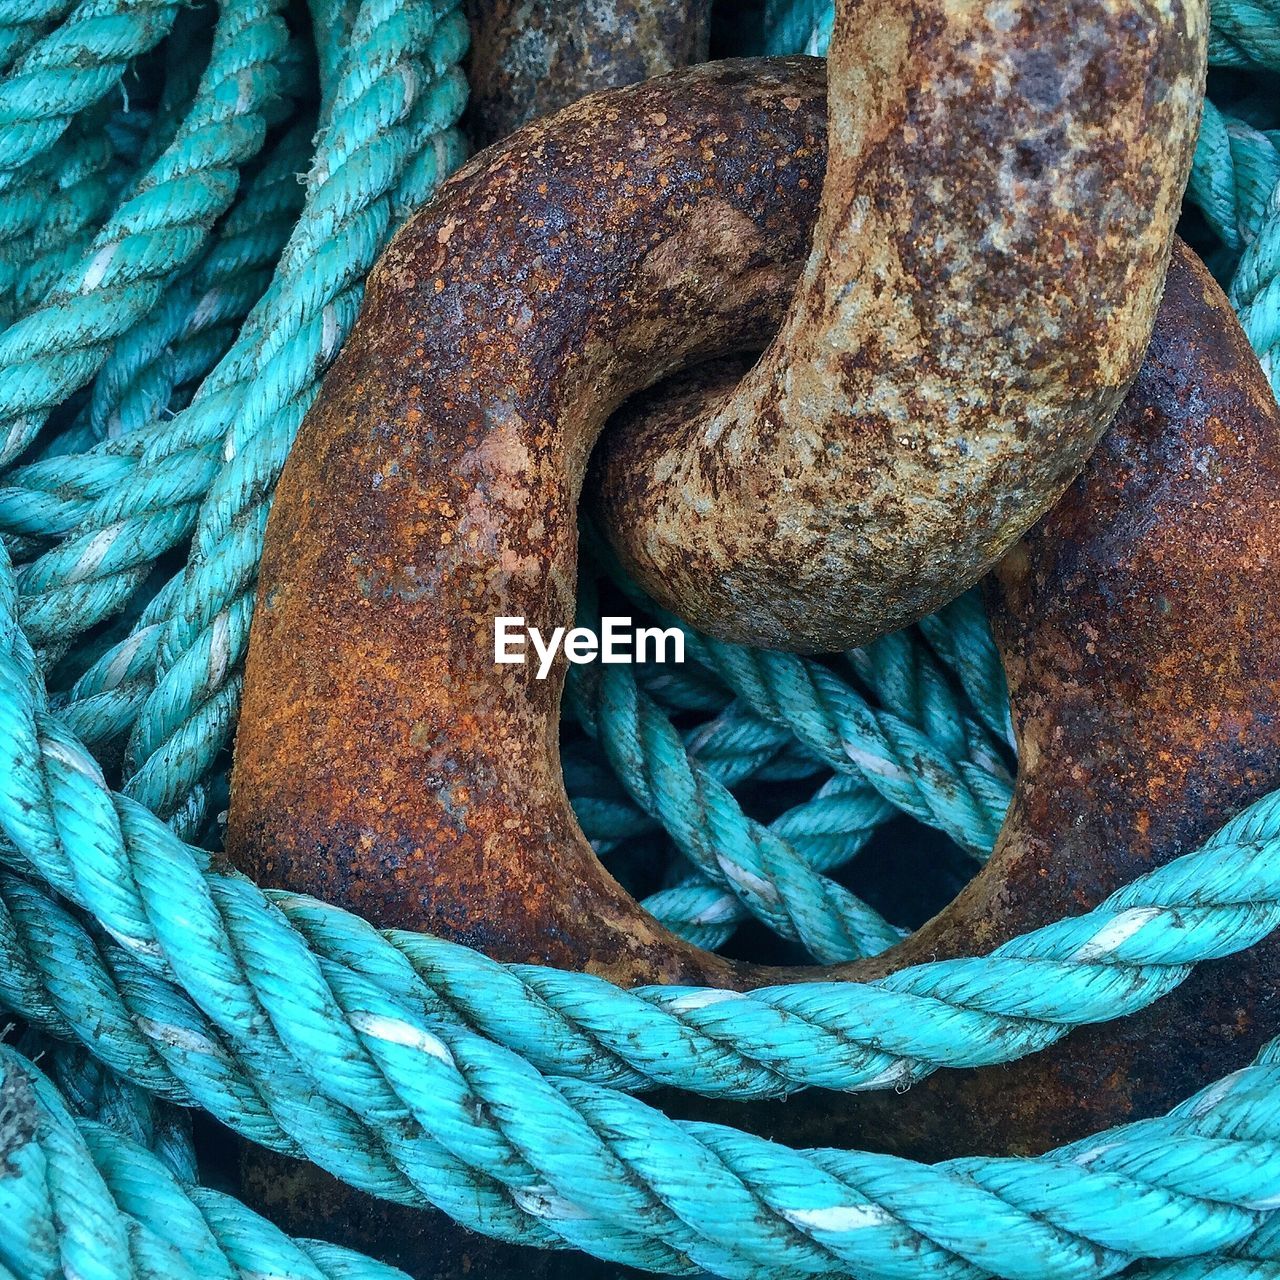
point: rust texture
(1000, 200)
(529, 58)
(383, 761)
(1142, 641)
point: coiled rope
(82, 1198)
(173, 307)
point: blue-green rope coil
(171, 294)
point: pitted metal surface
(385, 762)
(532, 57)
(1000, 198)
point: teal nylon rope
(81, 1197)
(97, 1093)
(174, 325)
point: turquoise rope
(966, 797)
(97, 1093)
(447, 1078)
(384, 128)
(158, 229)
(415, 1068)
(74, 65)
(81, 1198)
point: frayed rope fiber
(171, 294)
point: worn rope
(1155, 933)
(155, 232)
(422, 1071)
(443, 1069)
(95, 1092)
(82, 1198)
(68, 68)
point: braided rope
(95, 1092)
(825, 831)
(191, 326)
(965, 796)
(22, 23)
(158, 229)
(413, 1068)
(389, 154)
(82, 1199)
(1235, 172)
(767, 876)
(444, 1070)
(1156, 926)
(71, 67)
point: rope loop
(190, 204)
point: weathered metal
(1142, 642)
(385, 762)
(1000, 199)
(532, 57)
(382, 760)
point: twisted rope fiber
(197, 320)
(469, 1089)
(196, 713)
(55, 213)
(297, 328)
(1255, 290)
(764, 873)
(100, 157)
(170, 347)
(1231, 1127)
(351, 203)
(191, 327)
(95, 1092)
(826, 831)
(476, 1176)
(966, 797)
(1211, 1120)
(86, 170)
(158, 230)
(1236, 170)
(81, 1199)
(68, 69)
(756, 863)
(22, 23)
(769, 878)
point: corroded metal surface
(1141, 635)
(383, 761)
(532, 57)
(1001, 194)
(1143, 648)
